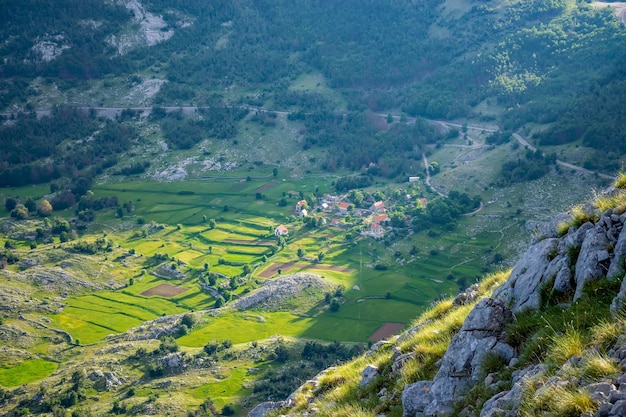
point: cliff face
(553, 265)
(554, 351)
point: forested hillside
(555, 66)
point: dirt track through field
(164, 290)
(386, 330)
(265, 187)
(285, 267)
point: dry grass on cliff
(338, 392)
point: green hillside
(150, 149)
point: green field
(443, 262)
(25, 372)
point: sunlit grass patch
(25, 372)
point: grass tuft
(605, 333)
(555, 401)
(596, 365)
(564, 346)
(620, 181)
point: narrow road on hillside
(112, 112)
(428, 176)
(525, 143)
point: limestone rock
(105, 381)
(593, 260)
(522, 289)
(467, 296)
(369, 374)
(506, 403)
(262, 409)
(415, 398)
(482, 332)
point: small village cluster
(336, 208)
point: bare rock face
(593, 260)
(262, 409)
(523, 288)
(482, 333)
(618, 264)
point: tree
(10, 203)
(300, 253)
(389, 118)
(30, 204)
(335, 305)
(20, 212)
(282, 353)
(45, 208)
(321, 256)
(212, 223)
(228, 410)
(275, 172)
(212, 280)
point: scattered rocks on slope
(105, 381)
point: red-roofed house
(376, 230)
(300, 205)
(381, 219)
(423, 201)
(378, 206)
(343, 207)
(281, 230)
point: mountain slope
(550, 340)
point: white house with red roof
(281, 230)
(376, 230)
(301, 205)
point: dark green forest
(554, 63)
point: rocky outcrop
(275, 291)
(565, 265)
(105, 381)
(506, 403)
(482, 333)
(523, 289)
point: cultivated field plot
(385, 331)
(90, 318)
(164, 290)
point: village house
(343, 207)
(378, 206)
(383, 218)
(281, 231)
(301, 205)
(376, 230)
(303, 213)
